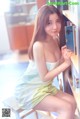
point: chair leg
(36, 114)
(17, 115)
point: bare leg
(69, 98)
(57, 104)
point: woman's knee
(71, 100)
(67, 111)
(68, 108)
(74, 103)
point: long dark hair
(41, 21)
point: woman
(35, 89)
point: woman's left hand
(66, 53)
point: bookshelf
(74, 59)
(21, 12)
(70, 15)
(74, 82)
(20, 23)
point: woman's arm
(40, 61)
(53, 73)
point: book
(70, 37)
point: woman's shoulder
(38, 50)
(38, 45)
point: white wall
(4, 40)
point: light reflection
(4, 6)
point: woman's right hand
(66, 54)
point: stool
(12, 103)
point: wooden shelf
(22, 4)
(21, 24)
(20, 14)
(76, 93)
(20, 36)
(74, 59)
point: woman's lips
(55, 33)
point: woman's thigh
(52, 103)
(67, 97)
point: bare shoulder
(38, 51)
(38, 46)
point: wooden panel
(74, 59)
(40, 3)
(18, 37)
(29, 32)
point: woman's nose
(54, 26)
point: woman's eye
(58, 21)
(49, 23)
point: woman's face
(54, 26)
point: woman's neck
(51, 40)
